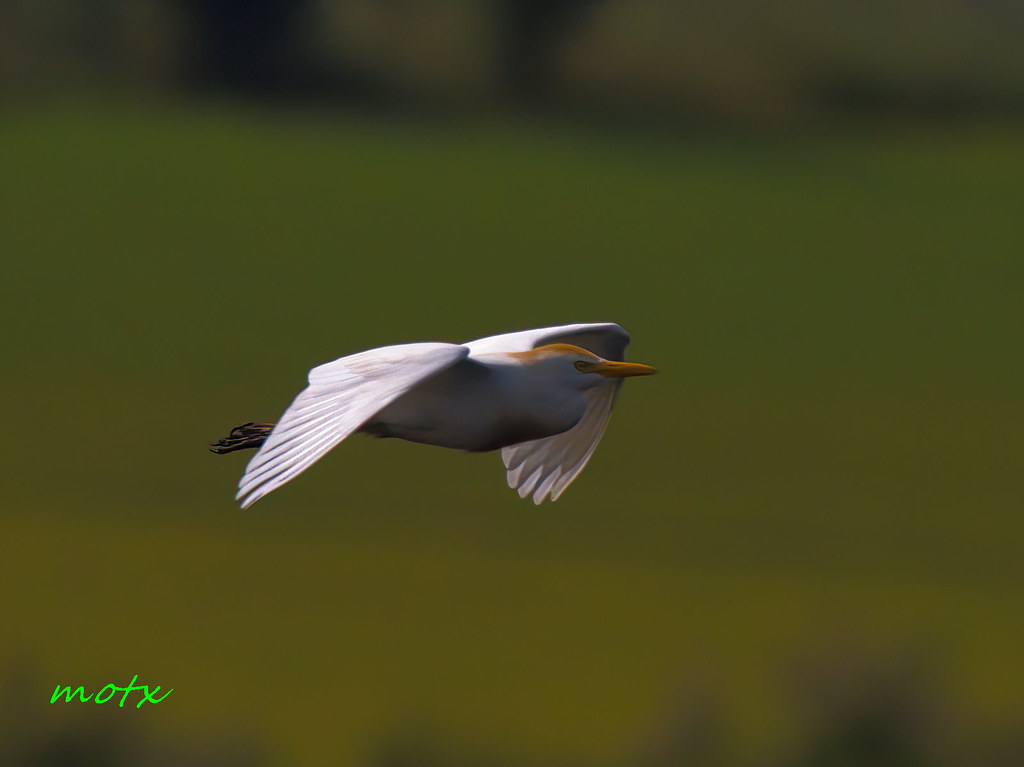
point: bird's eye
(582, 366)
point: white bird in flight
(543, 396)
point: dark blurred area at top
(259, 48)
(741, 60)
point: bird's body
(479, 404)
(544, 396)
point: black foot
(248, 435)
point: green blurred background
(799, 545)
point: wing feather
(546, 467)
(341, 396)
(605, 339)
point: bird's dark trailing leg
(248, 435)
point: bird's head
(583, 369)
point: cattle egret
(543, 396)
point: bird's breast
(473, 407)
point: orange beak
(623, 369)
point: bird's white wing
(341, 397)
(547, 466)
(605, 339)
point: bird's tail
(248, 435)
